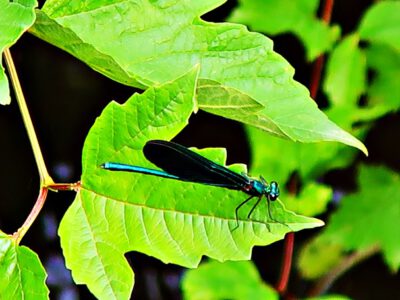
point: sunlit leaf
(155, 42)
(15, 18)
(369, 217)
(384, 91)
(176, 222)
(287, 16)
(229, 280)
(381, 24)
(21, 272)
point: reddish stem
(32, 215)
(65, 186)
(318, 64)
(286, 263)
(314, 85)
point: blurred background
(65, 96)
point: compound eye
(272, 197)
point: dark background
(65, 96)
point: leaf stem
(32, 215)
(45, 178)
(347, 263)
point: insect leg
(237, 211)
(254, 207)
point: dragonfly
(180, 163)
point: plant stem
(286, 263)
(314, 86)
(347, 263)
(318, 64)
(32, 215)
(65, 186)
(45, 178)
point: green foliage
(319, 257)
(173, 221)
(381, 24)
(229, 280)
(281, 16)
(186, 64)
(367, 217)
(168, 32)
(384, 91)
(345, 77)
(15, 18)
(22, 275)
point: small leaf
(282, 16)
(381, 24)
(384, 92)
(163, 34)
(370, 216)
(15, 18)
(177, 222)
(21, 272)
(346, 73)
(228, 280)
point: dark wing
(190, 166)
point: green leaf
(345, 83)
(311, 201)
(156, 42)
(282, 16)
(345, 78)
(229, 280)
(384, 91)
(21, 272)
(177, 222)
(280, 158)
(370, 216)
(318, 257)
(381, 24)
(15, 18)
(224, 101)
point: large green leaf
(229, 280)
(142, 43)
(117, 212)
(282, 16)
(15, 18)
(381, 24)
(21, 272)
(371, 216)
